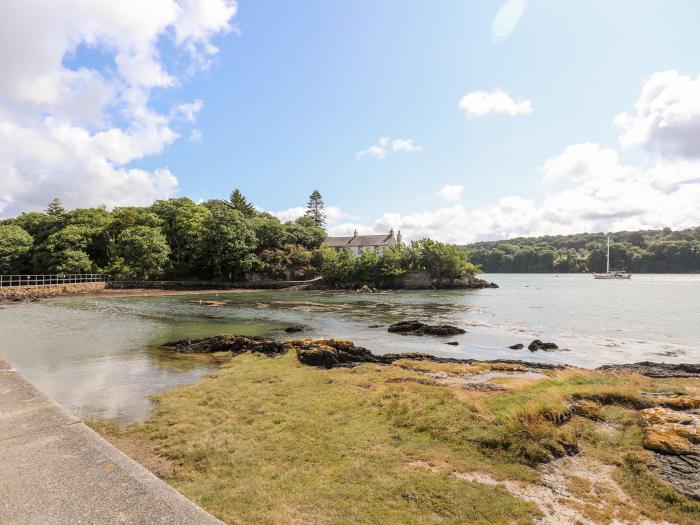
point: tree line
(644, 251)
(221, 239)
(173, 238)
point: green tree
(269, 232)
(15, 246)
(316, 209)
(39, 225)
(141, 252)
(240, 203)
(228, 244)
(65, 251)
(305, 232)
(55, 207)
(183, 226)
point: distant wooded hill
(646, 251)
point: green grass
(269, 440)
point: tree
(316, 209)
(228, 244)
(269, 232)
(55, 207)
(183, 226)
(142, 252)
(65, 251)
(15, 245)
(240, 203)
(304, 231)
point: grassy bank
(270, 440)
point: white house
(359, 244)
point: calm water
(97, 356)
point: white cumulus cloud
(666, 119)
(595, 190)
(386, 146)
(70, 131)
(482, 103)
(451, 192)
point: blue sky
(297, 89)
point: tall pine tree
(237, 201)
(55, 207)
(316, 209)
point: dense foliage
(218, 239)
(441, 261)
(174, 238)
(650, 251)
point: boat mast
(607, 267)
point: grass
(269, 440)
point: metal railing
(38, 280)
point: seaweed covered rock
(539, 345)
(330, 353)
(651, 369)
(227, 343)
(418, 328)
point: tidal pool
(99, 358)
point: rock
(539, 345)
(227, 343)
(670, 432)
(484, 387)
(418, 328)
(683, 472)
(375, 326)
(330, 353)
(452, 343)
(517, 346)
(586, 408)
(365, 289)
(294, 329)
(651, 369)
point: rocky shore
(323, 353)
(670, 421)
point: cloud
(196, 136)
(482, 103)
(451, 192)
(666, 118)
(507, 19)
(386, 146)
(581, 162)
(333, 214)
(70, 130)
(189, 111)
(595, 190)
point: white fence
(38, 280)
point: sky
(460, 120)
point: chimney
(391, 232)
(398, 237)
(355, 234)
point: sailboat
(611, 274)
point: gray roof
(360, 240)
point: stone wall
(20, 293)
(204, 285)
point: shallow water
(96, 356)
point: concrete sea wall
(54, 470)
